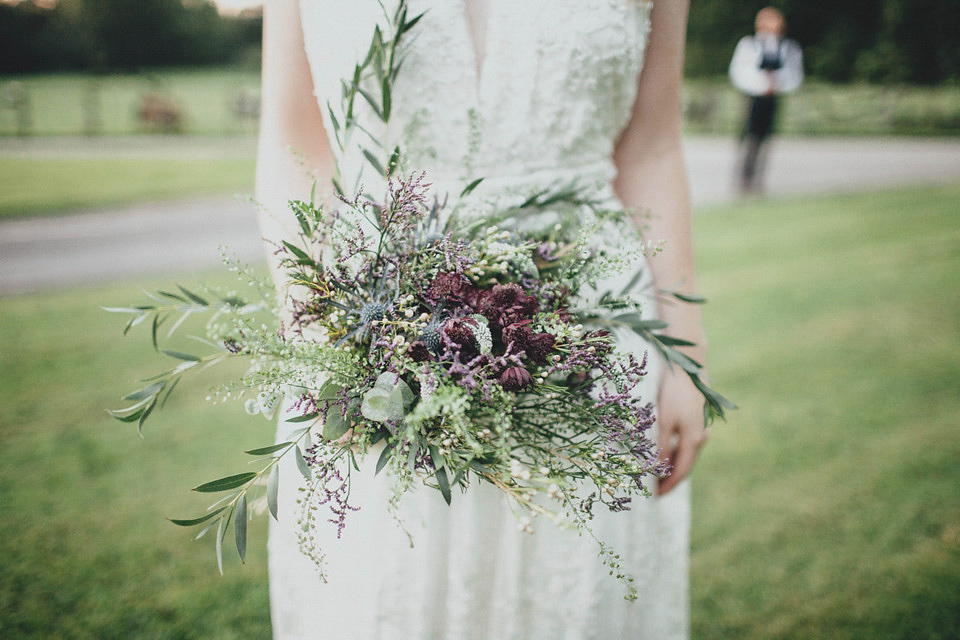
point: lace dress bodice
(545, 98)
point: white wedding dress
(540, 106)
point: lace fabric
(542, 107)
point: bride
(527, 94)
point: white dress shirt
(746, 74)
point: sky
(236, 5)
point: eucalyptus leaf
(147, 392)
(226, 483)
(240, 527)
(221, 530)
(372, 159)
(204, 531)
(385, 98)
(305, 418)
(336, 426)
(195, 521)
(384, 457)
(180, 355)
(689, 297)
(302, 465)
(372, 102)
(444, 484)
(675, 342)
(467, 190)
(194, 297)
(264, 451)
(273, 484)
(638, 323)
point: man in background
(763, 66)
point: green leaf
(273, 484)
(372, 102)
(384, 457)
(147, 392)
(197, 299)
(467, 190)
(305, 418)
(675, 342)
(302, 257)
(299, 210)
(143, 416)
(265, 451)
(385, 95)
(372, 159)
(227, 483)
(409, 24)
(240, 527)
(634, 280)
(122, 416)
(394, 160)
(302, 465)
(196, 521)
(180, 355)
(336, 426)
(221, 530)
(638, 323)
(689, 297)
(444, 483)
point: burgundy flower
(537, 346)
(419, 351)
(450, 287)
(516, 379)
(460, 332)
(506, 304)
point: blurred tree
(871, 40)
(121, 35)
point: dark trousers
(761, 111)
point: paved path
(169, 237)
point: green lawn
(75, 103)
(827, 507)
(50, 185)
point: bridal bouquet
(446, 352)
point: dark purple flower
(506, 304)
(459, 331)
(419, 351)
(516, 379)
(450, 287)
(537, 346)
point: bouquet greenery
(452, 351)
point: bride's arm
(652, 177)
(293, 149)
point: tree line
(892, 41)
(121, 35)
(883, 41)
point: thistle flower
(516, 379)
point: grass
(30, 186)
(826, 508)
(713, 106)
(76, 103)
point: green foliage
(869, 40)
(120, 34)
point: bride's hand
(682, 431)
